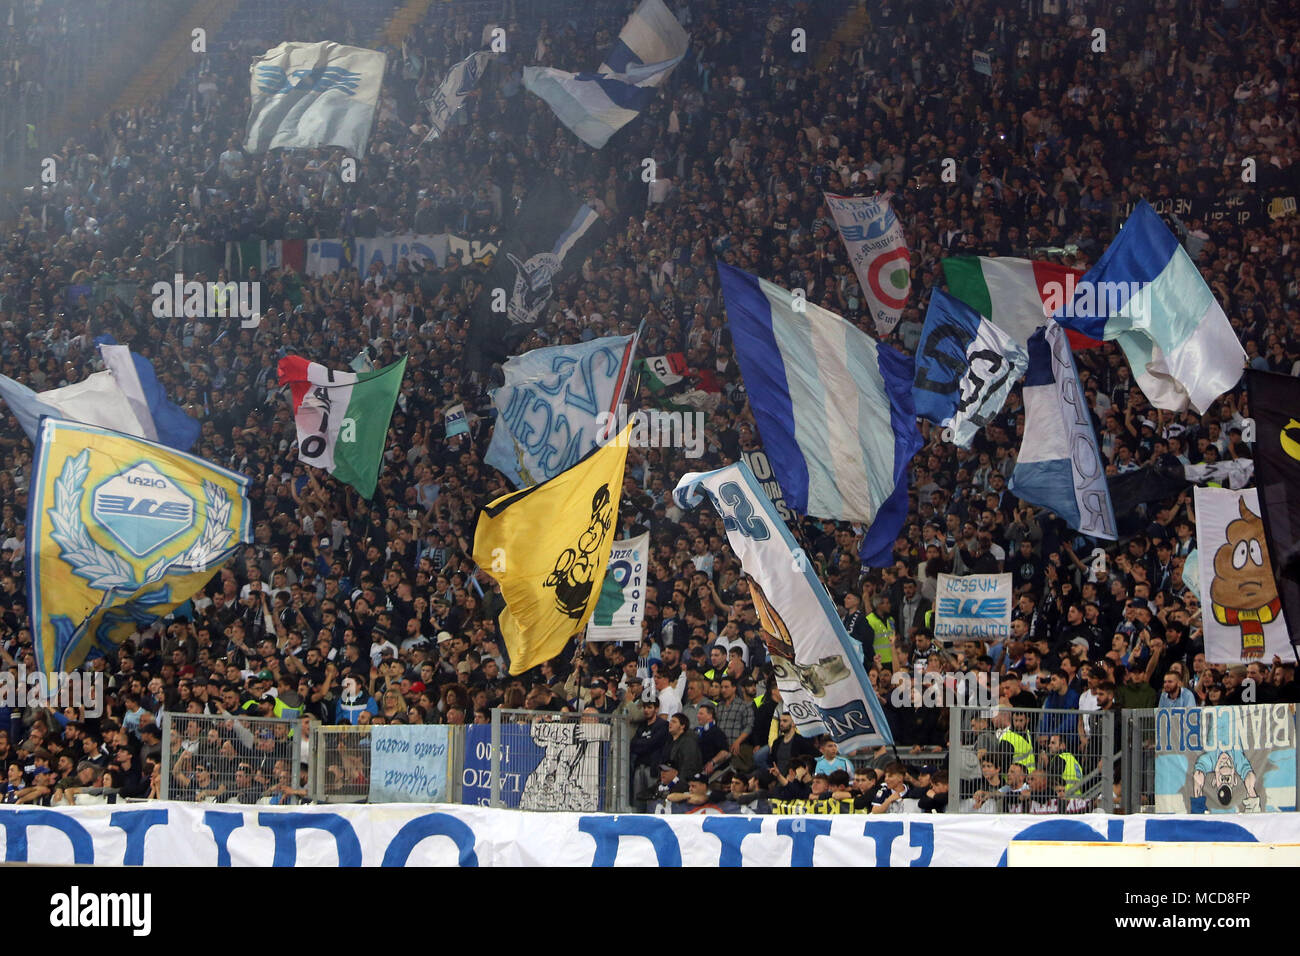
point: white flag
(459, 83)
(314, 94)
(824, 686)
(878, 251)
(620, 608)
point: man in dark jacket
(648, 744)
(684, 747)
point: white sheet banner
(408, 763)
(823, 683)
(621, 606)
(972, 607)
(195, 834)
(878, 252)
(1241, 611)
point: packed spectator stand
(347, 611)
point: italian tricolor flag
(661, 371)
(342, 417)
(1011, 293)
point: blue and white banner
(1225, 759)
(456, 421)
(193, 834)
(834, 409)
(454, 90)
(824, 686)
(1060, 465)
(965, 368)
(548, 411)
(313, 94)
(326, 256)
(972, 607)
(595, 106)
(878, 251)
(408, 763)
(1146, 293)
(545, 765)
(621, 606)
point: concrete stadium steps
(172, 56)
(399, 24)
(851, 31)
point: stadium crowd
(347, 611)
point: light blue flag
(595, 106)
(161, 418)
(555, 405)
(1146, 293)
(1060, 466)
(834, 409)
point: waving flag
(824, 686)
(662, 371)
(552, 235)
(127, 397)
(874, 237)
(834, 409)
(548, 547)
(1275, 404)
(314, 94)
(122, 532)
(965, 368)
(161, 418)
(1060, 465)
(342, 417)
(1146, 294)
(595, 106)
(548, 411)
(455, 89)
(1013, 294)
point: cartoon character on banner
(1227, 769)
(1243, 592)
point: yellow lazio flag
(121, 531)
(548, 546)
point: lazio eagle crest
(122, 531)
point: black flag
(551, 237)
(1275, 406)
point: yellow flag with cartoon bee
(548, 546)
(121, 532)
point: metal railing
(549, 761)
(227, 758)
(340, 766)
(1027, 760)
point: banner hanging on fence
(408, 764)
(544, 765)
(972, 607)
(621, 606)
(1225, 759)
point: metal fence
(548, 761)
(1026, 760)
(233, 759)
(340, 768)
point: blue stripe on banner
(1049, 484)
(621, 57)
(950, 326)
(1039, 371)
(628, 96)
(898, 371)
(1141, 251)
(749, 316)
(823, 599)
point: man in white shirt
(669, 696)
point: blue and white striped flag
(595, 106)
(833, 407)
(1060, 466)
(314, 94)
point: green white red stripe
(342, 417)
(1011, 293)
